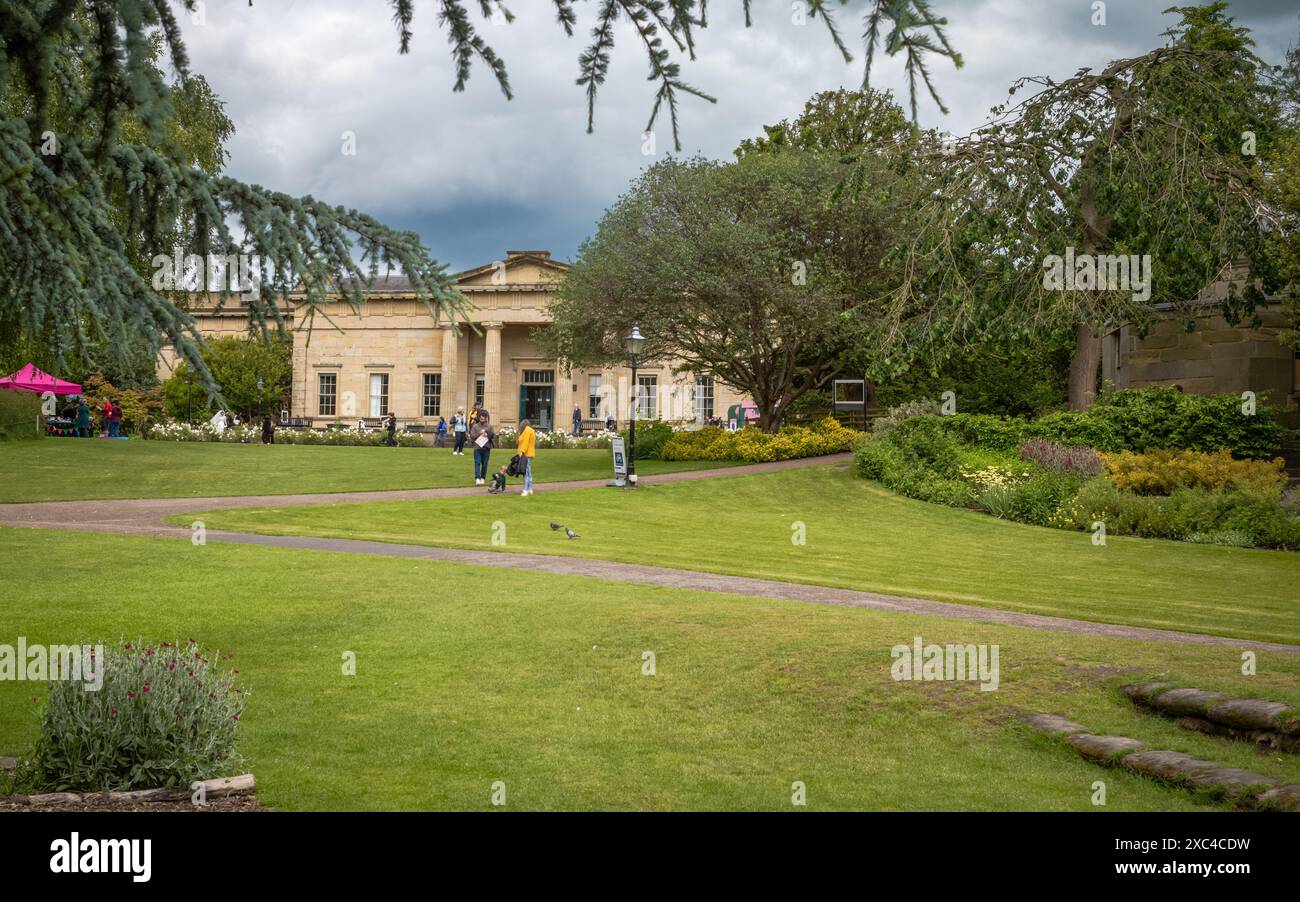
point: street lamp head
(260, 385)
(634, 342)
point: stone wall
(1216, 357)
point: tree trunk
(1083, 367)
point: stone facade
(396, 357)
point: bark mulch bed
(108, 803)
(221, 794)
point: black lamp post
(634, 343)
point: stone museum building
(396, 358)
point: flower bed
(507, 435)
(251, 435)
(1076, 459)
(1186, 495)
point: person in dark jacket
(577, 421)
(268, 431)
(391, 426)
(482, 436)
(460, 426)
(83, 419)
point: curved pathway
(145, 517)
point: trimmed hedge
(651, 436)
(18, 415)
(1139, 419)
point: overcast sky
(476, 174)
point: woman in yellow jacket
(526, 448)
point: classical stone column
(453, 381)
(562, 413)
(492, 374)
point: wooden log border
(216, 788)
(1271, 726)
(1221, 781)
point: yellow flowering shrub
(828, 436)
(1160, 472)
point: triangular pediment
(516, 268)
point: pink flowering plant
(1077, 460)
(166, 715)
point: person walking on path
(482, 436)
(460, 426)
(440, 435)
(83, 419)
(391, 425)
(268, 431)
(526, 448)
(577, 421)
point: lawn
(469, 675)
(71, 469)
(857, 536)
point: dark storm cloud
(476, 174)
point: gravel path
(144, 517)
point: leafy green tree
(1009, 378)
(199, 127)
(838, 122)
(1155, 155)
(237, 365)
(1284, 195)
(756, 273)
(83, 199)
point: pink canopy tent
(29, 378)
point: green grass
(70, 469)
(857, 536)
(469, 675)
